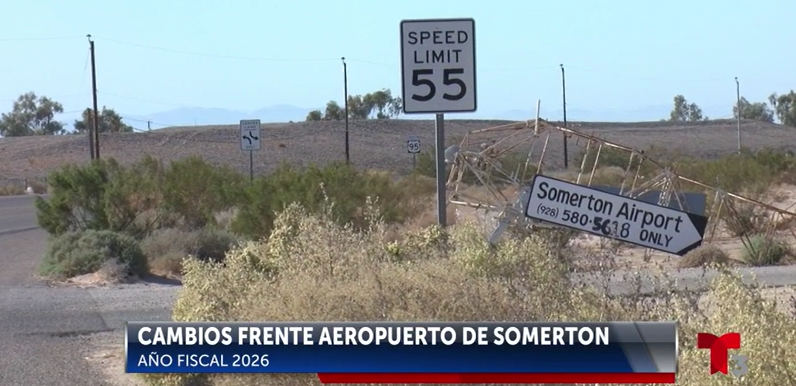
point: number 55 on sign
(438, 66)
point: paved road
(47, 331)
(17, 214)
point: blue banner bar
(380, 347)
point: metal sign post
(438, 76)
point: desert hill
(373, 144)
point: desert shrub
(213, 244)
(166, 248)
(198, 190)
(167, 264)
(311, 187)
(747, 173)
(223, 219)
(322, 271)
(102, 195)
(609, 156)
(744, 220)
(189, 194)
(512, 162)
(426, 164)
(558, 242)
(76, 202)
(297, 252)
(763, 250)
(618, 158)
(704, 256)
(778, 161)
(136, 199)
(11, 190)
(77, 253)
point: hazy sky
(237, 54)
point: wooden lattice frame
(483, 161)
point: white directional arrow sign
(611, 215)
(250, 134)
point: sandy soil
(109, 358)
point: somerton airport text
(353, 336)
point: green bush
(191, 194)
(744, 173)
(197, 190)
(744, 220)
(618, 158)
(102, 195)
(512, 163)
(311, 187)
(11, 190)
(763, 250)
(82, 252)
(136, 199)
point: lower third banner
(380, 352)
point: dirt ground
(108, 357)
(374, 144)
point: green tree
(382, 104)
(756, 111)
(376, 105)
(333, 112)
(314, 115)
(109, 122)
(685, 112)
(785, 107)
(32, 115)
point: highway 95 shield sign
(614, 216)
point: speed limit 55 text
(447, 55)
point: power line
(30, 39)
(176, 51)
(184, 52)
(647, 78)
(272, 59)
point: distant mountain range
(189, 116)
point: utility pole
(738, 107)
(564, 94)
(149, 125)
(345, 91)
(90, 126)
(95, 122)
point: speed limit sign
(413, 145)
(438, 66)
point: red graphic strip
(615, 378)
